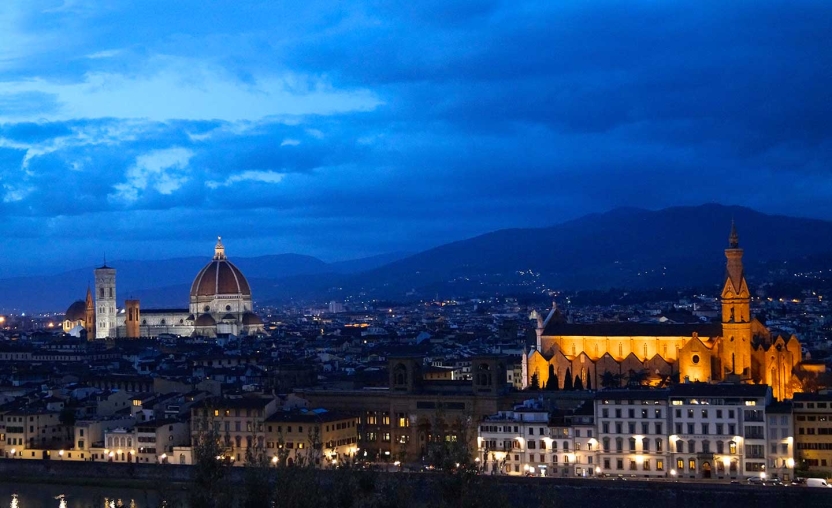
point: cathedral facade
(738, 348)
(219, 303)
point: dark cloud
(493, 114)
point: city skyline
(145, 131)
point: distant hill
(625, 248)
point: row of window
(542, 460)
(811, 431)
(372, 418)
(814, 446)
(811, 405)
(646, 464)
(631, 413)
(705, 429)
(645, 444)
(691, 413)
(631, 428)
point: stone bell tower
(735, 351)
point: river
(29, 495)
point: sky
(143, 130)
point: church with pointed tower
(738, 348)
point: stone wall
(429, 489)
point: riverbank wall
(425, 488)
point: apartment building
(812, 417)
(240, 423)
(156, 439)
(780, 433)
(318, 437)
(519, 441)
(582, 422)
(632, 428)
(718, 430)
(31, 433)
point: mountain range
(623, 248)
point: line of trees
(633, 379)
(553, 381)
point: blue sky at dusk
(344, 129)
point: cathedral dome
(220, 277)
(76, 312)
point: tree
(535, 382)
(552, 383)
(210, 487)
(67, 419)
(579, 385)
(610, 380)
(637, 378)
(258, 481)
(567, 381)
(448, 447)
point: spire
(219, 250)
(733, 238)
(733, 254)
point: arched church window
(645, 351)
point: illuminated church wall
(738, 348)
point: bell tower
(735, 352)
(105, 302)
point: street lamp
(61, 453)
(673, 474)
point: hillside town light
(274, 459)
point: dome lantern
(219, 250)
